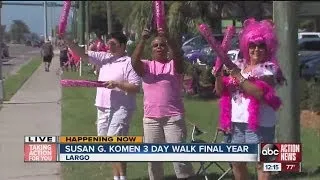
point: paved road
(19, 55)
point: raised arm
(219, 82)
(97, 58)
(176, 55)
(136, 62)
(80, 51)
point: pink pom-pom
(81, 83)
(64, 17)
(159, 15)
(226, 44)
(207, 34)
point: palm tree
(121, 11)
(140, 15)
(184, 16)
(179, 22)
(256, 9)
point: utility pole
(109, 16)
(1, 78)
(87, 22)
(81, 22)
(74, 23)
(285, 18)
(45, 20)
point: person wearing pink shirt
(163, 120)
(74, 59)
(117, 101)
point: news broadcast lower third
(278, 157)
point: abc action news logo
(280, 152)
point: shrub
(304, 98)
(310, 95)
(314, 98)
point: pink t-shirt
(162, 88)
(74, 57)
(115, 69)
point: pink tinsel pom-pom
(226, 44)
(80, 83)
(206, 32)
(64, 17)
(159, 15)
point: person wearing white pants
(163, 104)
(115, 102)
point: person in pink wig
(248, 101)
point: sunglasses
(259, 46)
(111, 43)
(159, 45)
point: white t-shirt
(267, 117)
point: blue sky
(33, 16)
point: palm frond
(175, 19)
(140, 15)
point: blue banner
(158, 148)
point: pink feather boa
(269, 97)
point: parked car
(36, 44)
(5, 50)
(309, 57)
(302, 35)
(309, 44)
(195, 54)
(309, 49)
(310, 70)
(28, 43)
(234, 54)
(198, 42)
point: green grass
(226, 23)
(79, 115)
(14, 82)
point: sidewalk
(33, 110)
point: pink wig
(260, 32)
